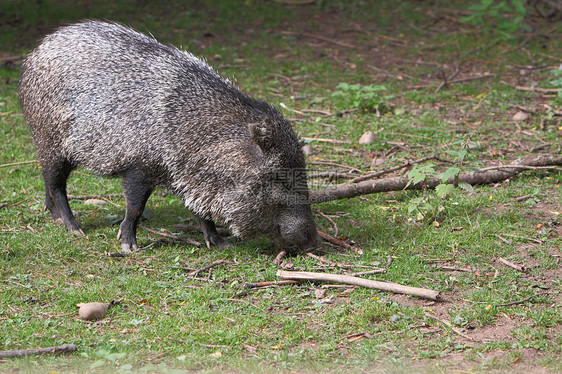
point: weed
(365, 98)
(502, 18)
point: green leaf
(467, 187)
(449, 173)
(97, 364)
(444, 190)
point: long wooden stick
(423, 293)
(38, 351)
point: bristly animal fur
(114, 101)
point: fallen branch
(348, 279)
(492, 175)
(38, 351)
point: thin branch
(339, 243)
(392, 169)
(537, 89)
(18, 163)
(349, 190)
(323, 140)
(450, 325)
(511, 265)
(38, 351)
(171, 236)
(319, 37)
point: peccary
(112, 100)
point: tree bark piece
(38, 351)
(423, 293)
(497, 174)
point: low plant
(365, 98)
(502, 18)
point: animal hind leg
(210, 234)
(55, 175)
(137, 191)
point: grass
(168, 322)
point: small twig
(11, 59)
(369, 272)
(537, 89)
(185, 227)
(339, 243)
(319, 37)
(86, 197)
(182, 268)
(392, 169)
(472, 78)
(16, 283)
(523, 198)
(282, 105)
(171, 236)
(525, 238)
(447, 323)
(329, 163)
(269, 284)
(347, 279)
(446, 79)
(38, 351)
(453, 268)
(520, 167)
(503, 239)
(324, 140)
(336, 230)
(278, 261)
(331, 175)
(322, 260)
(318, 111)
(518, 301)
(18, 163)
(512, 265)
(211, 265)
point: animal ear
(262, 133)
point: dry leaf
(320, 293)
(376, 162)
